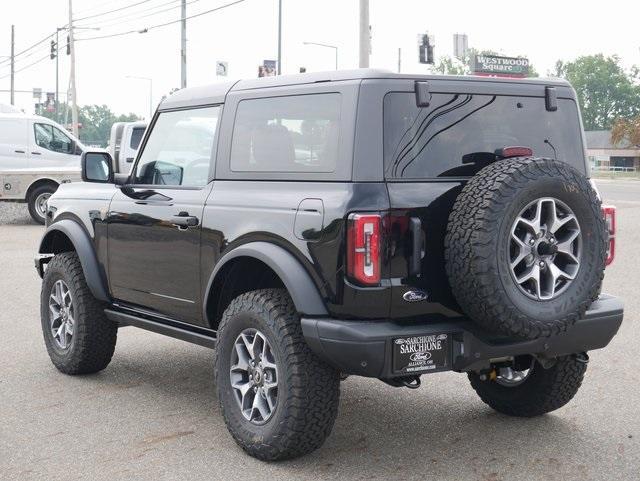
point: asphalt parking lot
(152, 414)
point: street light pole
(327, 46)
(364, 34)
(183, 45)
(72, 51)
(13, 60)
(279, 65)
(150, 92)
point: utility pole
(279, 66)
(399, 58)
(72, 81)
(183, 45)
(57, 76)
(13, 60)
(364, 34)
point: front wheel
(279, 401)
(37, 202)
(530, 390)
(78, 336)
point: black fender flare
(303, 291)
(86, 253)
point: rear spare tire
(525, 247)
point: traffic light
(425, 49)
(68, 45)
(53, 54)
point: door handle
(36, 153)
(129, 159)
(19, 151)
(183, 220)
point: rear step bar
(174, 330)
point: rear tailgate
(430, 152)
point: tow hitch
(411, 382)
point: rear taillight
(363, 248)
(514, 151)
(609, 214)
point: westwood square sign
(498, 66)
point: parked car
(36, 156)
(124, 141)
(346, 223)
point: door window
(298, 133)
(52, 138)
(179, 148)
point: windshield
(458, 134)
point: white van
(36, 155)
(124, 142)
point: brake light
(508, 152)
(363, 248)
(609, 214)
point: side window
(297, 133)
(136, 137)
(178, 151)
(52, 138)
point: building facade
(603, 155)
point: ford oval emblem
(414, 296)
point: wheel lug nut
(541, 264)
(532, 241)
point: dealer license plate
(415, 354)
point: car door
(51, 148)
(155, 221)
(14, 148)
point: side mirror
(97, 167)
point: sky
(245, 34)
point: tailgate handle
(415, 261)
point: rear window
(136, 137)
(458, 134)
(298, 133)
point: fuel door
(309, 220)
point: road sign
(267, 69)
(222, 68)
(498, 66)
(37, 93)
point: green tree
(605, 91)
(96, 122)
(447, 65)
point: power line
(29, 48)
(26, 66)
(146, 29)
(128, 18)
(112, 11)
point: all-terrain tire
(545, 390)
(94, 336)
(32, 201)
(477, 247)
(308, 389)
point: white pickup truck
(124, 141)
(36, 156)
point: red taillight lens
(514, 151)
(609, 214)
(363, 248)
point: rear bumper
(364, 348)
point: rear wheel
(279, 401)
(530, 390)
(37, 202)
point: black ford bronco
(314, 226)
